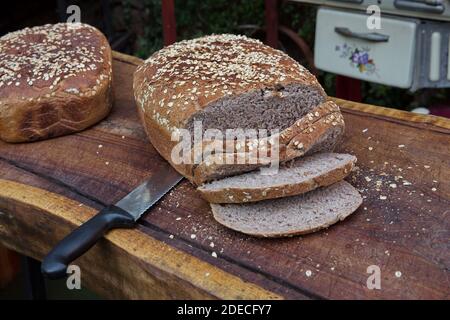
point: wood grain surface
(402, 226)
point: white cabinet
(345, 45)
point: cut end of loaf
(291, 216)
(318, 131)
(271, 108)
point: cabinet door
(345, 45)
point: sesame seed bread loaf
(291, 216)
(293, 178)
(54, 80)
(233, 82)
(226, 82)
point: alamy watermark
(373, 22)
(374, 280)
(232, 146)
(74, 13)
(74, 277)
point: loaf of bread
(230, 82)
(54, 80)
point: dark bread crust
(54, 80)
(183, 79)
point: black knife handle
(80, 240)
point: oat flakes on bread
(54, 80)
(225, 81)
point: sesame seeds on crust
(185, 77)
(37, 62)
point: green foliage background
(200, 17)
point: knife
(123, 214)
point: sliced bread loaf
(296, 177)
(291, 216)
(224, 82)
(319, 130)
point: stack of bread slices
(228, 82)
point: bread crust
(182, 79)
(62, 81)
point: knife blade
(123, 214)
(149, 192)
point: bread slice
(291, 216)
(299, 176)
(54, 80)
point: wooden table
(403, 226)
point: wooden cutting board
(402, 227)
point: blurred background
(136, 27)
